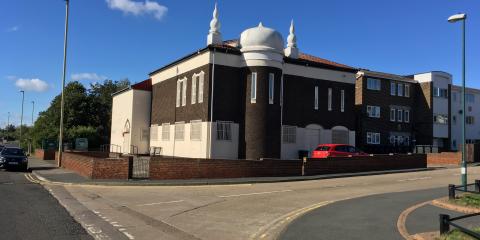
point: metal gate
(140, 167)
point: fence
(446, 221)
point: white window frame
(393, 117)
(342, 100)
(201, 80)
(196, 130)
(374, 84)
(470, 120)
(179, 94)
(289, 134)
(271, 88)
(406, 118)
(253, 88)
(194, 89)
(179, 134)
(184, 91)
(166, 132)
(407, 90)
(393, 89)
(224, 131)
(400, 89)
(373, 111)
(315, 103)
(373, 138)
(399, 115)
(330, 99)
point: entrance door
(312, 138)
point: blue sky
(128, 38)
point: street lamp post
(452, 19)
(21, 116)
(60, 137)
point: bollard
(444, 223)
(303, 165)
(477, 186)
(451, 191)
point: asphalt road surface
(28, 211)
(372, 217)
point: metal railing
(446, 221)
(155, 151)
(111, 148)
(134, 149)
(426, 149)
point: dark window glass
(322, 148)
(13, 151)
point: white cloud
(87, 76)
(138, 8)
(33, 84)
(13, 29)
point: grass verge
(458, 235)
(467, 200)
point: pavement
(29, 212)
(249, 210)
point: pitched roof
(145, 85)
(312, 58)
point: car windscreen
(13, 152)
(322, 148)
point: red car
(336, 150)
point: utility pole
(60, 137)
(33, 110)
(21, 116)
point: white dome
(261, 39)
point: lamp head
(457, 17)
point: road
(28, 211)
(242, 211)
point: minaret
(291, 50)
(214, 35)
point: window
(373, 84)
(393, 89)
(145, 135)
(400, 89)
(440, 92)
(196, 130)
(407, 90)
(470, 97)
(194, 88)
(271, 87)
(329, 99)
(154, 132)
(342, 100)
(181, 92)
(289, 134)
(224, 131)
(454, 96)
(373, 138)
(200, 86)
(315, 103)
(166, 131)
(470, 120)
(392, 114)
(407, 116)
(440, 119)
(179, 131)
(400, 115)
(253, 88)
(454, 118)
(373, 111)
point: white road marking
(158, 203)
(257, 193)
(128, 235)
(413, 179)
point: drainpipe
(281, 111)
(175, 114)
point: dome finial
(291, 50)
(214, 35)
(260, 24)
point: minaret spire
(291, 50)
(214, 35)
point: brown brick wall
(183, 168)
(448, 158)
(95, 165)
(45, 154)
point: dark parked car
(12, 157)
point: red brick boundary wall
(444, 158)
(188, 168)
(96, 165)
(45, 154)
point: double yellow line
(32, 179)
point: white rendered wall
(198, 148)
(121, 112)
(290, 150)
(472, 131)
(141, 119)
